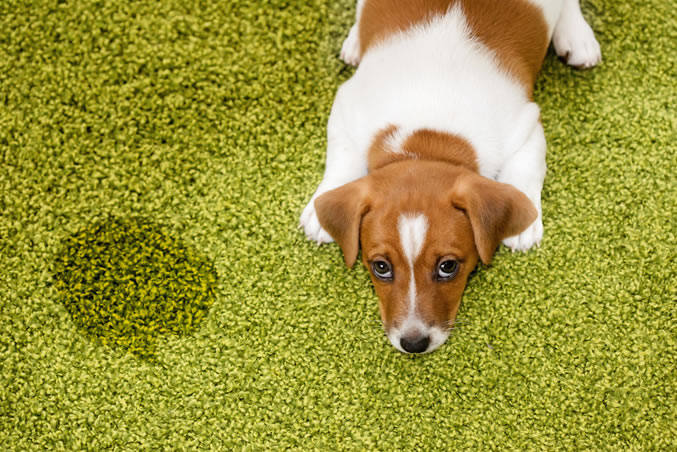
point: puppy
(435, 150)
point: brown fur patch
(425, 144)
(380, 153)
(435, 145)
(449, 236)
(515, 30)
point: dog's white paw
(350, 51)
(530, 237)
(575, 42)
(311, 224)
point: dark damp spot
(128, 281)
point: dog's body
(435, 149)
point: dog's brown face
(422, 227)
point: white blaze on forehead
(412, 229)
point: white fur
(436, 334)
(350, 51)
(396, 140)
(413, 229)
(573, 38)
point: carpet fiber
(188, 135)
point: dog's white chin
(437, 337)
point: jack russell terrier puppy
(435, 150)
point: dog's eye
(447, 269)
(382, 270)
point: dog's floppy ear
(340, 212)
(496, 210)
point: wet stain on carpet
(127, 281)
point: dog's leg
(345, 163)
(350, 51)
(573, 38)
(525, 170)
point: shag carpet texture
(156, 294)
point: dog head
(422, 227)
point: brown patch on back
(515, 30)
(380, 154)
(434, 145)
(381, 19)
(423, 144)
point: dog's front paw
(576, 44)
(350, 51)
(311, 224)
(531, 236)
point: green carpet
(156, 294)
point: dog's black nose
(417, 344)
